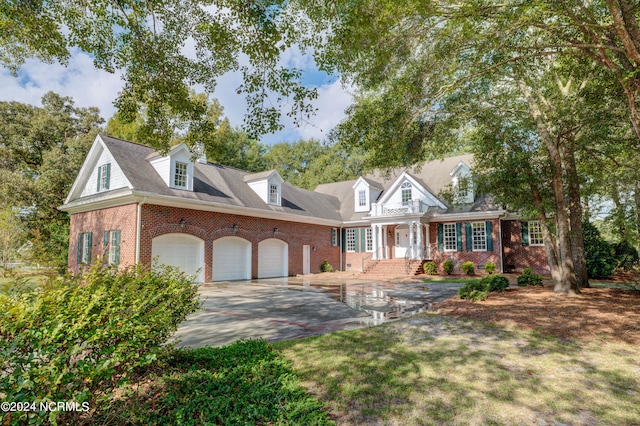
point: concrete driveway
(286, 308)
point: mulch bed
(598, 313)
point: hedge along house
(131, 205)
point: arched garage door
(273, 258)
(180, 250)
(231, 259)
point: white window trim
(444, 236)
(177, 175)
(86, 249)
(483, 226)
(368, 240)
(362, 198)
(104, 177)
(535, 223)
(112, 248)
(351, 231)
(274, 194)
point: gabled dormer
(175, 168)
(365, 192)
(462, 183)
(268, 186)
(407, 195)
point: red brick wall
(516, 256)
(98, 221)
(159, 220)
(479, 258)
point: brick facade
(121, 218)
(208, 226)
(479, 258)
(517, 256)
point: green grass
(27, 281)
(432, 369)
(245, 383)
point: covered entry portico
(407, 238)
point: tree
(165, 48)
(10, 236)
(41, 151)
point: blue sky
(90, 87)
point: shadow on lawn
(402, 374)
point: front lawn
(434, 369)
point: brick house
(130, 205)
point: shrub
(447, 266)
(468, 268)
(529, 278)
(626, 255)
(598, 253)
(430, 268)
(326, 267)
(496, 282)
(490, 267)
(77, 338)
(474, 291)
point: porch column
(374, 236)
(420, 243)
(427, 254)
(412, 249)
(384, 242)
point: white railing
(401, 209)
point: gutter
(138, 230)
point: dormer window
(406, 193)
(273, 194)
(180, 175)
(362, 198)
(104, 176)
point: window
(479, 236)
(84, 247)
(273, 194)
(450, 237)
(463, 188)
(369, 238)
(535, 234)
(180, 176)
(112, 247)
(362, 198)
(104, 176)
(351, 239)
(406, 193)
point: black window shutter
(440, 237)
(79, 257)
(117, 257)
(525, 234)
(459, 235)
(469, 233)
(489, 231)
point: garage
(231, 259)
(183, 251)
(273, 258)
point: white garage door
(273, 258)
(231, 259)
(183, 251)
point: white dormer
(176, 168)
(407, 195)
(268, 186)
(365, 193)
(462, 183)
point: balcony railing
(400, 209)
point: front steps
(392, 268)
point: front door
(402, 242)
(306, 260)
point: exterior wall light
(276, 231)
(182, 223)
(235, 228)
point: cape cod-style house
(129, 205)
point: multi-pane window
(369, 238)
(463, 188)
(180, 176)
(535, 234)
(112, 239)
(406, 193)
(334, 237)
(104, 173)
(84, 247)
(479, 236)
(351, 239)
(362, 198)
(449, 237)
(273, 194)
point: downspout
(501, 250)
(138, 230)
(340, 246)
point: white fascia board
(359, 181)
(393, 188)
(447, 217)
(459, 166)
(110, 199)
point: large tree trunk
(566, 283)
(575, 215)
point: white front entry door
(401, 242)
(306, 260)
